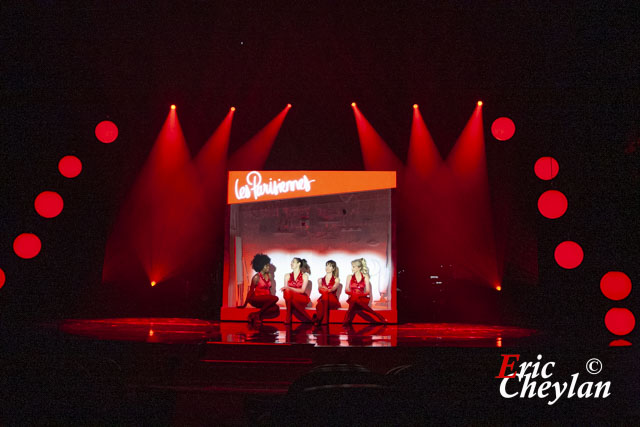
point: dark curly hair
(259, 261)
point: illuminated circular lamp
(27, 245)
(546, 168)
(353, 104)
(49, 204)
(479, 103)
(619, 321)
(153, 283)
(552, 204)
(619, 343)
(173, 106)
(615, 285)
(2, 278)
(569, 255)
(233, 108)
(503, 128)
(415, 106)
(106, 132)
(70, 166)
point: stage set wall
(341, 227)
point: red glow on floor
(620, 321)
(70, 166)
(27, 245)
(106, 132)
(253, 154)
(569, 255)
(2, 278)
(546, 168)
(503, 128)
(615, 285)
(375, 151)
(49, 204)
(552, 204)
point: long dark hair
(304, 266)
(333, 264)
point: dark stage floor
(163, 371)
(176, 330)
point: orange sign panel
(260, 186)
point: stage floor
(193, 331)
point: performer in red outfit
(328, 285)
(295, 289)
(359, 290)
(259, 294)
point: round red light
(615, 285)
(173, 107)
(546, 168)
(503, 128)
(552, 204)
(619, 321)
(49, 204)
(106, 131)
(27, 245)
(353, 104)
(2, 278)
(569, 255)
(70, 166)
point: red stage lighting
(353, 104)
(106, 131)
(173, 106)
(415, 106)
(498, 288)
(615, 285)
(569, 255)
(503, 128)
(619, 343)
(153, 283)
(70, 166)
(2, 278)
(552, 204)
(479, 103)
(288, 105)
(49, 204)
(546, 168)
(27, 245)
(233, 108)
(620, 321)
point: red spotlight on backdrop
(569, 255)
(27, 245)
(106, 131)
(615, 285)
(619, 343)
(49, 204)
(546, 168)
(503, 128)
(619, 321)
(552, 204)
(70, 166)
(2, 278)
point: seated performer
(359, 290)
(328, 286)
(295, 288)
(259, 294)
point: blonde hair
(363, 265)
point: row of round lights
(49, 204)
(615, 285)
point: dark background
(568, 77)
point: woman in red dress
(327, 285)
(295, 288)
(359, 291)
(259, 294)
